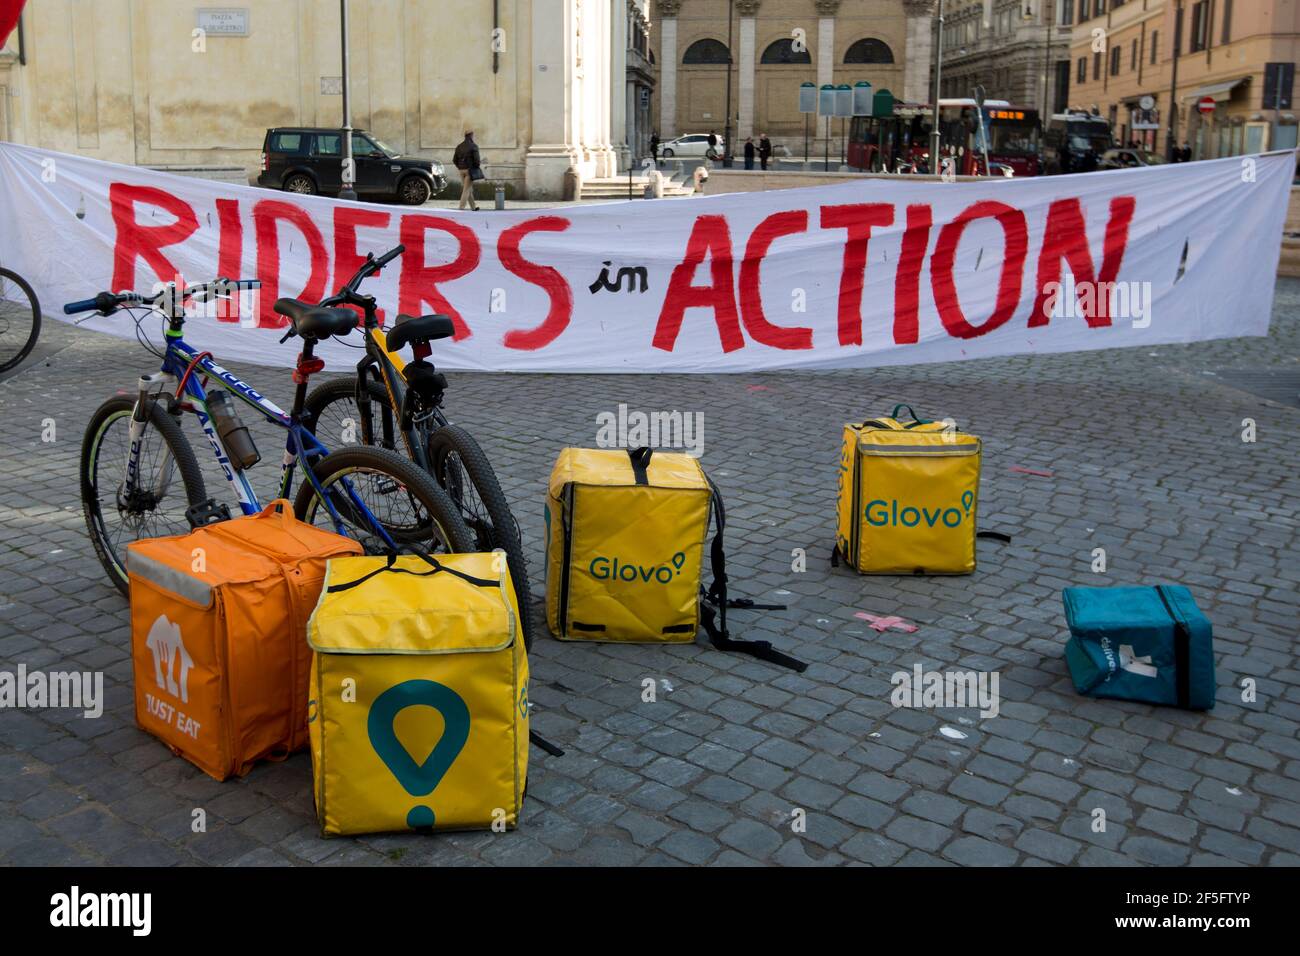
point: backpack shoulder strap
(714, 601)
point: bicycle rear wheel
(20, 319)
(462, 468)
(380, 497)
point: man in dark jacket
(466, 158)
(764, 149)
(749, 154)
(654, 147)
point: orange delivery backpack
(219, 636)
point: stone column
(668, 10)
(618, 102)
(553, 148)
(748, 10)
(918, 59)
(826, 10)
(607, 61)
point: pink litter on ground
(1032, 471)
(759, 388)
(879, 623)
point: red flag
(9, 13)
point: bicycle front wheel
(463, 470)
(20, 319)
(333, 414)
(167, 481)
(382, 500)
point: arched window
(783, 51)
(869, 50)
(706, 51)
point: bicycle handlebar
(370, 267)
(389, 256)
(106, 303)
(103, 301)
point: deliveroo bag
(1140, 643)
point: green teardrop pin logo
(968, 499)
(419, 780)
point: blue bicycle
(135, 454)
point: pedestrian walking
(1185, 153)
(466, 159)
(764, 149)
(749, 153)
(654, 148)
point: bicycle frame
(388, 369)
(383, 364)
(183, 363)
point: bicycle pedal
(206, 512)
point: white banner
(877, 272)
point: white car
(692, 145)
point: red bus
(1011, 134)
(891, 144)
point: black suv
(1075, 143)
(309, 160)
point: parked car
(309, 160)
(1128, 157)
(1075, 142)
(691, 146)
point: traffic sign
(1206, 105)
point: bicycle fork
(139, 422)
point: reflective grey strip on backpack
(168, 578)
(944, 450)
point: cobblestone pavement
(1147, 461)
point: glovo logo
(418, 779)
(889, 514)
(615, 569)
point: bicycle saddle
(313, 322)
(412, 331)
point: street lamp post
(1049, 12)
(1172, 143)
(938, 71)
(349, 164)
(726, 124)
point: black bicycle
(360, 410)
(20, 319)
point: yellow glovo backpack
(418, 710)
(908, 496)
(625, 534)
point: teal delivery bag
(1139, 643)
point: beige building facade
(775, 46)
(1016, 49)
(543, 83)
(1147, 64)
